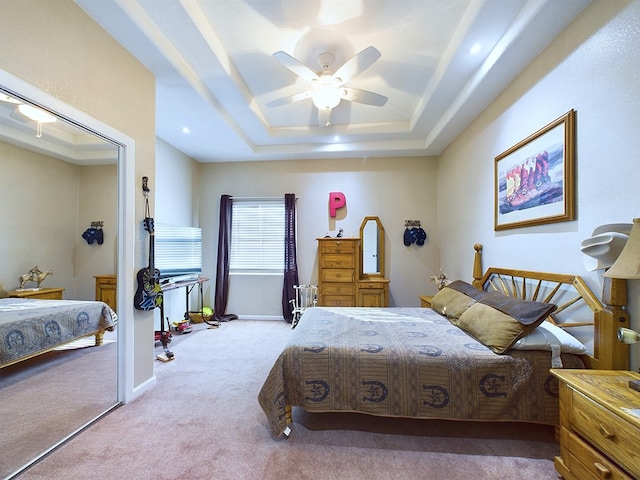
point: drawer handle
(603, 472)
(605, 432)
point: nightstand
(40, 293)
(106, 289)
(599, 425)
(425, 301)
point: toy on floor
(182, 326)
(165, 338)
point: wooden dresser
(106, 289)
(41, 293)
(600, 425)
(338, 271)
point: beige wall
(56, 47)
(594, 68)
(39, 198)
(98, 201)
(177, 203)
(55, 201)
(395, 189)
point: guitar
(149, 294)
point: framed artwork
(534, 179)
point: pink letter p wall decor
(336, 200)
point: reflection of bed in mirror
(30, 327)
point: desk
(164, 335)
(188, 285)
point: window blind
(257, 236)
(178, 250)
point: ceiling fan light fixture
(327, 97)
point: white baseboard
(142, 388)
(260, 317)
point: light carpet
(202, 421)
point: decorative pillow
(454, 299)
(547, 335)
(499, 321)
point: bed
(30, 327)
(418, 363)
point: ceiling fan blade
(364, 96)
(324, 117)
(357, 64)
(295, 66)
(290, 99)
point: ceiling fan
(329, 87)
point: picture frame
(534, 179)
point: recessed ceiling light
(186, 130)
(475, 49)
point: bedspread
(29, 326)
(405, 362)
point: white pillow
(548, 335)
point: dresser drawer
(607, 432)
(338, 246)
(338, 301)
(338, 261)
(372, 285)
(338, 275)
(104, 280)
(585, 462)
(338, 289)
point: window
(257, 236)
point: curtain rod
(258, 198)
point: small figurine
(334, 234)
(441, 280)
(34, 275)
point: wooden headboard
(608, 314)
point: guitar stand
(165, 338)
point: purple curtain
(290, 260)
(222, 273)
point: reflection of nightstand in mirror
(106, 289)
(41, 293)
(425, 301)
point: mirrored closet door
(56, 179)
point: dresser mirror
(371, 248)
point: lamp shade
(627, 265)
